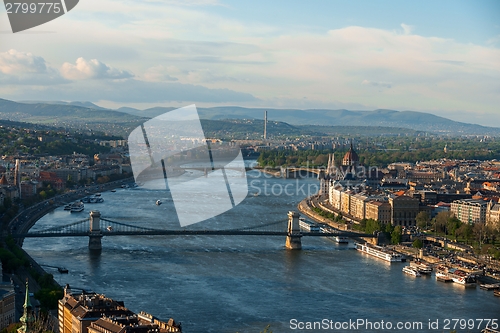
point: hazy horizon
(440, 58)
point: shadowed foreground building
(96, 313)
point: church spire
(27, 317)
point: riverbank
(26, 219)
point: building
(7, 305)
(379, 210)
(470, 210)
(404, 210)
(96, 313)
(141, 323)
(493, 215)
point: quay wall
(305, 208)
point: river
(243, 283)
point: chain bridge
(95, 227)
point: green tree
(417, 243)
(422, 219)
(396, 235)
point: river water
(244, 283)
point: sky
(441, 57)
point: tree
(422, 220)
(452, 226)
(442, 220)
(465, 231)
(396, 235)
(417, 243)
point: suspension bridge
(95, 227)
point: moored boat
(380, 252)
(411, 271)
(309, 226)
(494, 286)
(421, 267)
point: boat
(309, 226)
(421, 267)
(456, 275)
(494, 286)
(113, 190)
(380, 252)
(62, 270)
(77, 207)
(341, 239)
(496, 293)
(158, 202)
(410, 270)
(97, 194)
(67, 207)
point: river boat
(410, 270)
(341, 239)
(380, 252)
(494, 286)
(308, 226)
(421, 267)
(456, 275)
(77, 207)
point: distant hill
(88, 105)
(419, 121)
(88, 116)
(70, 116)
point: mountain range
(93, 117)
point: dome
(351, 157)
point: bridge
(96, 227)
(291, 172)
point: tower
(293, 239)
(265, 125)
(27, 318)
(17, 177)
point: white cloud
(92, 69)
(160, 74)
(25, 68)
(408, 29)
(16, 62)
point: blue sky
(435, 56)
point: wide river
(234, 284)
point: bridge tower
(95, 233)
(293, 239)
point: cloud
(160, 73)
(92, 69)
(408, 29)
(133, 91)
(377, 84)
(15, 62)
(25, 68)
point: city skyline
(438, 58)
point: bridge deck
(187, 233)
